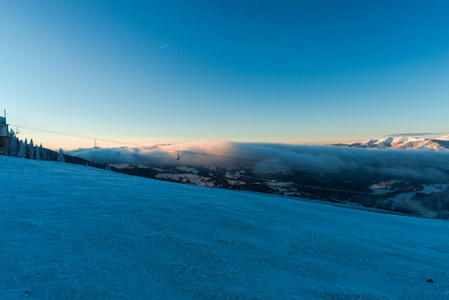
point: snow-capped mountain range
(403, 142)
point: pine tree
(13, 144)
(38, 153)
(41, 152)
(44, 155)
(32, 150)
(61, 155)
(27, 148)
(22, 150)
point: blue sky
(256, 71)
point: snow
(443, 138)
(434, 188)
(405, 142)
(185, 169)
(282, 187)
(230, 175)
(71, 231)
(184, 177)
(407, 139)
(370, 141)
(403, 197)
(385, 141)
(235, 182)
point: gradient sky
(260, 71)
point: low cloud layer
(413, 134)
(270, 158)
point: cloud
(271, 158)
(413, 134)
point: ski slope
(70, 231)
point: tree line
(24, 149)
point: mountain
(393, 193)
(71, 231)
(438, 144)
(335, 174)
(444, 138)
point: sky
(143, 72)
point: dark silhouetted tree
(22, 150)
(32, 150)
(38, 152)
(61, 155)
(13, 144)
(27, 148)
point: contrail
(162, 47)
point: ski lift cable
(77, 135)
(178, 157)
(181, 151)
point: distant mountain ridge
(403, 142)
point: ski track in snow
(77, 232)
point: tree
(61, 155)
(44, 155)
(32, 150)
(38, 152)
(13, 144)
(27, 148)
(22, 150)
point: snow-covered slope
(69, 231)
(443, 138)
(441, 143)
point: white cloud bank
(268, 158)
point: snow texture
(444, 138)
(71, 231)
(405, 142)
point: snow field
(77, 232)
